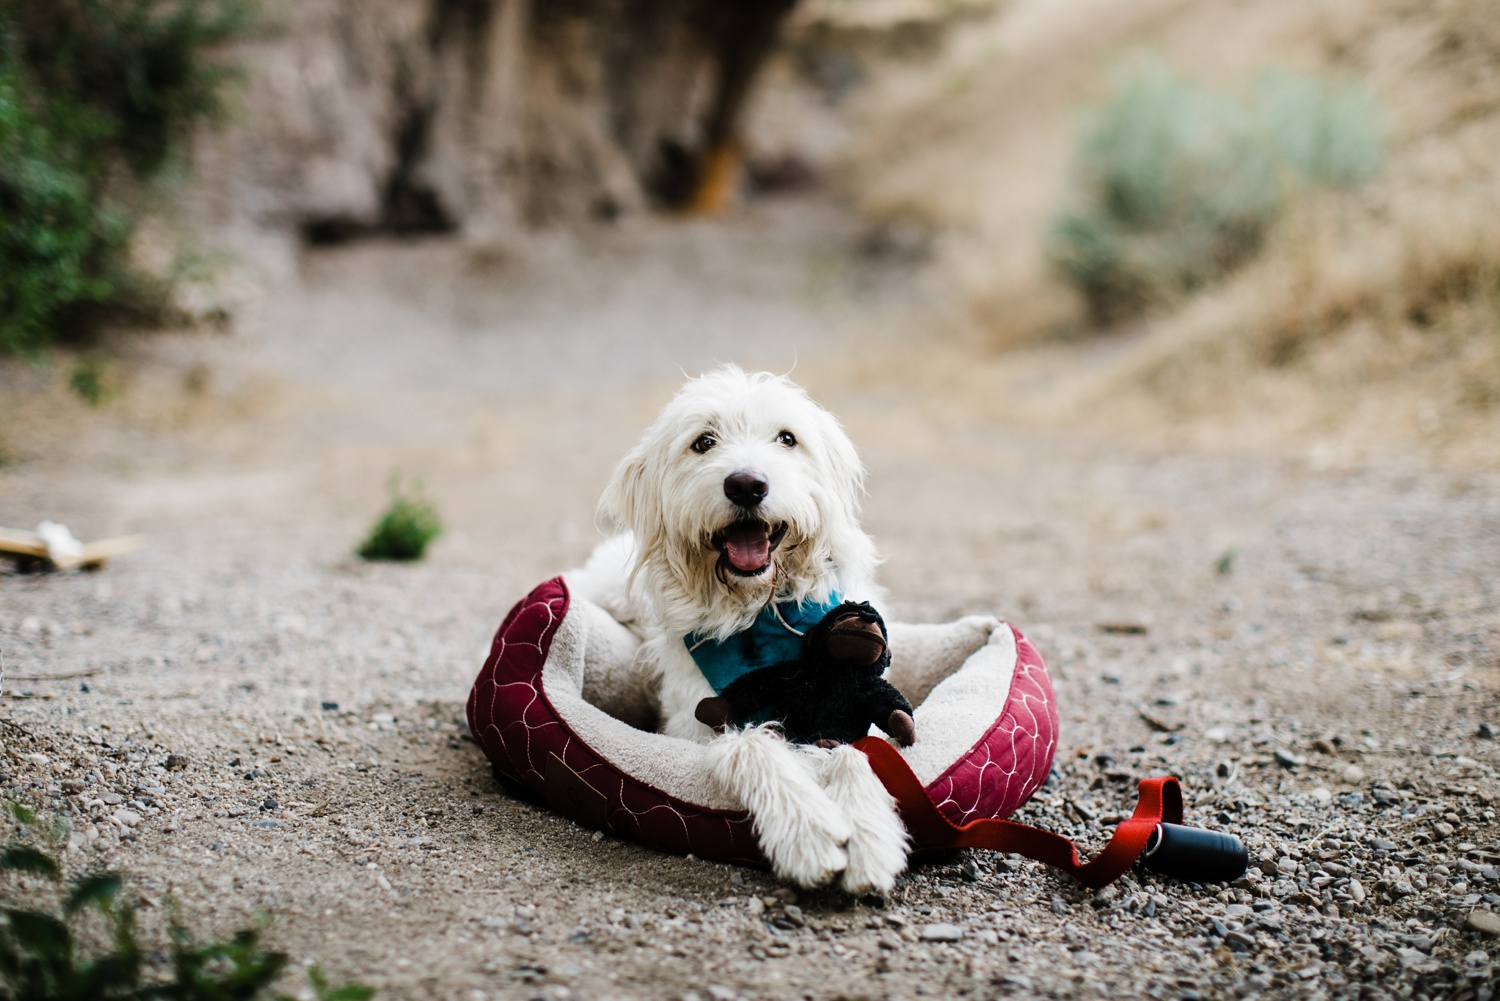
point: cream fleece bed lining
(957, 675)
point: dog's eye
(787, 438)
(704, 443)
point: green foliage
(1174, 184)
(96, 97)
(406, 528)
(42, 957)
(87, 380)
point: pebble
(1357, 891)
(1354, 774)
(1240, 941)
(1487, 922)
(941, 933)
(1321, 796)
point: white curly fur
(818, 814)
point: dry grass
(1368, 321)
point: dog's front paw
(800, 830)
(811, 859)
(877, 847)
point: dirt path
(1312, 652)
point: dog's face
(741, 489)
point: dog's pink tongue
(747, 548)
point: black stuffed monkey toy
(829, 695)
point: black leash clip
(1195, 855)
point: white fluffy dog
(742, 497)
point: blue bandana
(775, 636)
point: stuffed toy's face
(852, 635)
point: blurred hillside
(1367, 318)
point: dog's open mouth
(745, 547)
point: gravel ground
(246, 720)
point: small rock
(721, 993)
(1417, 961)
(175, 762)
(1059, 906)
(269, 804)
(1381, 845)
(1385, 797)
(126, 818)
(1441, 831)
(1240, 941)
(1485, 732)
(1218, 734)
(1286, 759)
(1017, 980)
(1477, 958)
(1324, 746)
(941, 933)
(890, 942)
(1357, 891)
(1353, 774)
(1321, 796)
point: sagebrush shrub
(1174, 184)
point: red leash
(1160, 803)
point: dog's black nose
(746, 487)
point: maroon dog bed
(560, 703)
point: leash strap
(1160, 802)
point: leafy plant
(43, 956)
(406, 528)
(1175, 185)
(96, 98)
(87, 380)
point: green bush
(97, 97)
(1174, 184)
(42, 956)
(406, 528)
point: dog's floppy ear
(842, 466)
(631, 500)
